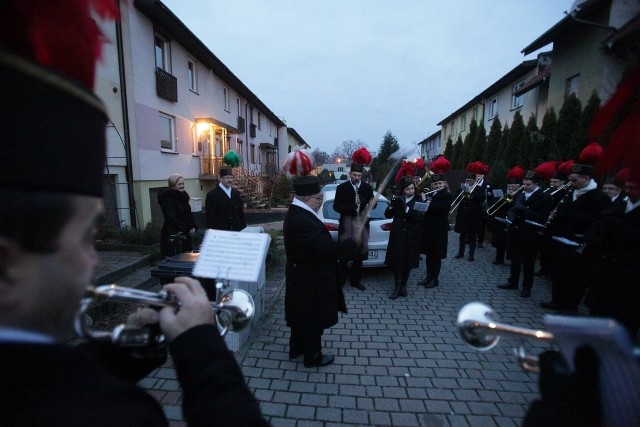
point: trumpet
(233, 312)
(507, 198)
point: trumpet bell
(235, 311)
(475, 322)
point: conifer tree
(525, 153)
(381, 164)
(502, 148)
(515, 138)
(468, 143)
(544, 147)
(493, 142)
(498, 174)
(448, 149)
(567, 127)
(589, 112)
(479, 144)
(456, 158)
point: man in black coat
(571, 218)
(48, 222)
(530, 205)
(223, 206)
(312, 295)
(352, 198)
(469, 215)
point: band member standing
(312, 295)
(404, 238)
(613, 187)
(469, 210)
(487, 199)
(223, 206)
(557, 193)
(352, 198)
(570, 220)
(435, 226)
(532, 205)
(499, 229)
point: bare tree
(319, 157)
(346, 149)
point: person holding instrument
(468, 204)
(499, 233)
(48, 223)
(404, 238)
(435, 225)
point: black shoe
(497, 262)
(459, 256)
(507, 286)
(525, 293)
(358, 285)
(403, 291)
(550, 305)
(424, 281)
(471, 258)
(432, 284)
(318, 361)
(294, 354)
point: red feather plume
(419, 164)
(440, 165)
(298, 163)
(546, 170)
(565, 167)
(361, 156)
(590, 154)
(516, 173)
(58, 34)
(475, 167)
(406, 169)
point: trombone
(507, 198)
(464, 195)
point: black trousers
(355, 274)
(308, 343)
(527, 271)
(433, 264)
(469, 237)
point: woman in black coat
(174, 202)
(404, 238)
(435, 230)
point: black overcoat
(525, 239)
(404, 239)
(177, 218)
(312, 294)
(469, 213)
(60, 385)
(499, 233)
(222, 212)
(345, 204)
(435, 226)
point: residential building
(431, 146)
(294, 142)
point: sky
(338, 70)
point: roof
(297, 136)
(519, 70)
(627, 31)
(173, 27)
(533, 82)
(565, 24)
(430, 137)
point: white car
(379, 227)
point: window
(474, 114)
(225, 95)
(517, 101)
(162, 53)
(493, 108)
(238, 105)
(259, 120)
(167, 132)
(240, 148)
(192, 76)
(572, 85)
(340, 169)
(463, 123)
(253, 153)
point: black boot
(403, 290)
(396, 291)
(460, 255)
(428, 278)
(433, 283)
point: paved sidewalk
(399, 363)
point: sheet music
(535, 224)
(503, 220)
(420, 206)
(565, 241)
(497, 193)
(232, 255)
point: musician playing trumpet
(435, 225)
(499, 234)
(469, 210)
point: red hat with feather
(299, 164)
(587, 160)
(439, 167)
(404, 177)
(544, 172)
(359, 159)
(515, 175)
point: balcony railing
(166, 85)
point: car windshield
(377, 213)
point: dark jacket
(177, 218)
(224, 213)
(524, 239)
(312, 295)
(404, 239)
(59, 385)
(345, 204)
(435, 226)
(469, 213)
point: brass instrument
(233, 312)
(427, 175)
(432, 193)
(507, 198)
(464, 195)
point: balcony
(166, 85)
